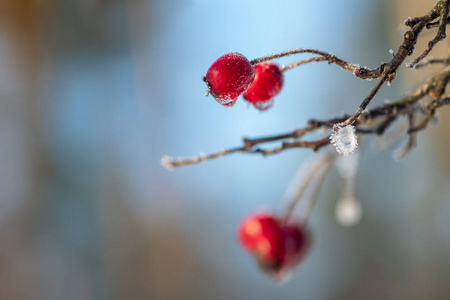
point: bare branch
(429, 114)
(170, 163)
(374, 121)
(389, 70)
(365, 102)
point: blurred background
(93, 94)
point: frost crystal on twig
(166, 162)
(344, 139)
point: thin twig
(412, 140)
(437, 23)
(429, 114)
(309, 208)
(432, 61)
(364, 104)
(303, 62)
(329, 56)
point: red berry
(228, 77)
(261, 234)
(296, 242)
(267, 84)
(277, 247)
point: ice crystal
(408, 21)
(344, 139)
(167, 163)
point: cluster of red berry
(233, 75)
(276, 245)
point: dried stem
(303, 62)
(330, 57)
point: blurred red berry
(261, 235)
(228, 77)
(267, 84)
(277, 247)
(253, 227)
(296, 242)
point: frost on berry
(344, 139)
(228, 77)
(267, 84)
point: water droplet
(348, 212)
(264, 105)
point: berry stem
(318, 170)
(349, 186)
(315, 195)
(302, 62)
(348, 169)
(330, 57)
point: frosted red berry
(228, 77)
(267, 84)
(277, 247)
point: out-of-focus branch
(433, 61)
(430, 112)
